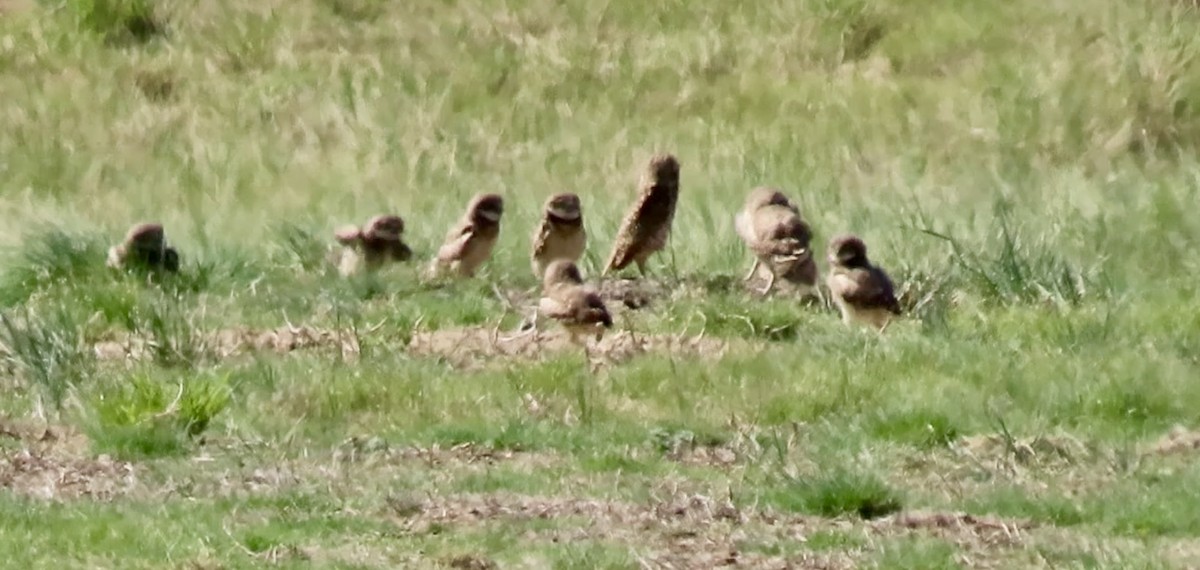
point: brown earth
(471, 347)
(696, 531)
(229, 342)
(52, 463)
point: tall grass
(1025, 171)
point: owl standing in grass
(145, 246)
(861, 290)
(369, 247)
(647, 226)
(771, 226)
(576, 307)
(560, 234)
(470, 243)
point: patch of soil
(471, 347)
(355, 462)
(1040, 450)
(376, 450)
(1178, 440)
(720, 456)
(631, 294)
(225, 343)
(468, 562)
(50, 462)
(968, 531)
(691, 530)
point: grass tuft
(47, 349)
(50, 258)
(119, 21)
(836, 493)
(147, 417)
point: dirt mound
(225, 343)
(1178, 440)
(471, 347)
(1039, 449)
(632, 294)
(686, 531)
(51, 463)
(693, 531)
(969, 531)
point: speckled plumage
(575, 306)
(145, 246)
(470, 242)
(773, 230)
(862, 291)
(646, 227)
(377, 242)
(560, 233)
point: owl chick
(862, 291)
(647, 225)
(145, 246)
(566, 299)
(471, 241)
(771, 226)
(377, 242)
(560, 235)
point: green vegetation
(1023, 170)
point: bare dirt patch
(694, 531)
(472, 347)
(621, 294)
(1040, 450)
(225, 343)
(1177, 441)
(354, 467)
(969, 532)
(51, 462)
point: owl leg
(884, 325)
(528, 327)
(770, 283)
(587, 357)
(753, 270)
(816, 291)
(641, 265)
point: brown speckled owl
(145, 246)
(369, 247)
(647, 226)
(862, 291)
(779, 238)
(560, 234)
(469, 244)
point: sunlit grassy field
(1026, 171)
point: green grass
(1024, 170)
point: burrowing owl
(145, 246)
(560, 234)
(647, 225)
(378, 241)
(862, 291)
(771, 226)
(471, 241)
(575, 306)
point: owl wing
(779, 232)
(743, 224)
(626, 242)
(539, 238)
(348, 235)
(553, 306)
(400, 251)
(865, 288)
(456, 242)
